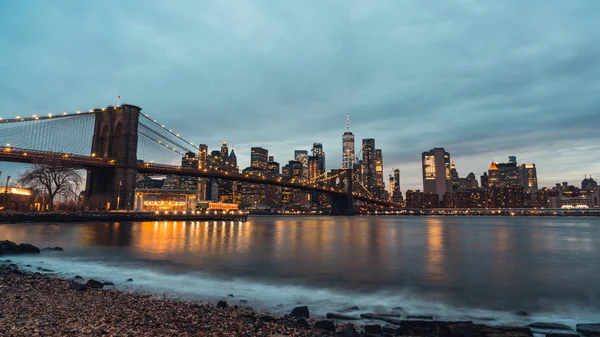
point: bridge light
(78, 111)
(34, 116)
(64, 113)
(0, 118)
(18, 117)
(93, 154)
(163, 126)
(50, 115)
(170, 130)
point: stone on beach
(373, 329)
(333, 315)
(94, 284)
(346, 332)
(222, 305)
(11, 248)
(300, 312)
(589, 329)
(549, 326)
(325, 324)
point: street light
(119, 195)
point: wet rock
(230, 295)
(26, 248)
(589, 329)
(389, 329)
(94, 284)
(374, 329)
(421, 317)
(59, 249)
(549, 326)
(77, 277)
(347, 332)
(370, 315)
(222, 305)
(333, 315)
(40, 268)
(8, 247)
(109, 284)
(300, 312)
(522, 313)
(12, 265)
(28, 265)
(303, 323)
(129, 280)
(48, 270)
(562, 335)
(78, 287)
(423, 328)
(325, 324)
(353, 308)
(267, 318)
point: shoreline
(8, 218)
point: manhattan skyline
(482, 80)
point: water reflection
(435, 268)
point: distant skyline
(483, 79)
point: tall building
(485, 180)
(186, 182)
(588, 184)
(379, 168)
(302, 156)
(232, 161)
(368, 164)
(317, 151)
(528, 176)
(504, 174)
(436, 172)
(313, 167)
(259, 158)
(348, 154)
(224, 150)
(272, 167)
(395, 188)
(202, 163)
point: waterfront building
(272, 167)
(418, 199)
(186, 182)
(317, 151)
(588, 183)
(504, 174)
(369, 173)
(259, 157)
(348, 152)
(313, 167)
(528, 176)
(436, 172)
(202, 163)
(302, 157)
(395, 188)
(379, 168)
(485, 180)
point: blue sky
(484, 79)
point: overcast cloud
(484, 79)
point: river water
(450, 267)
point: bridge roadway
(17, 155)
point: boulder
(389, 329)
(109, 284)
(267, 318)
(353, 308)
(94, 284)
(325, 324)
(222, 305)
(374, 329)
(370, 315)
(589, 329)
(303, 323)
(230, 295)
(549, 326)
(58, 249)
(8, 247)
(129, 280)
(562, 335)
(333, 315)
(26, 248)
(300, 312)
(77, 277)
(347, 332)
(421, 317)
(78, 286)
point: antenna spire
(348, 121)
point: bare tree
(55, 181)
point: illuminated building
(302, 157)
(348, 154)
(436, 172)
(253, 194)
(296, 169)
(202, 163)
(259, 158)
(368, 164)
(378, 168)
(504, 174)
(186, 182)
(418, 199)
(164, 201)
(286, 171)
(395, 188)
(313, 167)
(317, 151)
(485, 180)
(528, 176)
(272, 167)
(224, 151)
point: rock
(354, 308)
(370, 315)
(94, 284)
(222, 305)
(267, 318)
(129, 280)
(109, 284)
(40, 268)
(230, 295)
(26, 248)
(77, 277)
(28, 265)
(521, 313)
(333, 315)
(589, 329)
(8, 247)
(303, 323)
(59, 249)
(325, 324)
(12, 265)
(78, 286)
(48, 270)
(300, 312)
(347, 332)
(438, 328)
(421, 317)
(374, 329)
(389, 329)
(549, 326)
(562, 335)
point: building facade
(436, 172)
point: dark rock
(129, 280)
(48, 270)
(333, 315)
(243, 301)
(77, 277)
(325, 324)
(222, 304)
(12, 265)
(230, 295)
(26, 248)
(419, 317)
(303, 323)
(549, 326)
(370, 315)
(78, 286)
(59, 249)
(589, 329)
(28, 265)
(522, 313)
(374, 329)
(562, 335)
(109, 284)
(267, 318)
(438, 328)
(347, 332)
(389, 329)
(40, 268)
(354, 308)
(95, 284)
(8, 247)
(250, 316)
(300, 312)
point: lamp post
(119, 195)
(6, 190)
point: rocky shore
(40, 304)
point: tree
(53, 180)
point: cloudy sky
(484, 79)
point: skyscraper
(259, 158)
(528, 176)
(224, 150)
(379, 168)
(202, 163)
(302, 156)
(313, 167)
(348, 155)
(185, 182)
(504, 174)
(436, 172)
(395, 188)
(368, 163)
(317, 151)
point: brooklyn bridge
(115, 143)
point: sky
(484, 79)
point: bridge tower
(342, 204)
(115, 137)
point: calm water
(450, 267)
